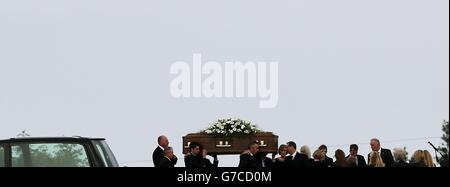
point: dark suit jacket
(280, 164)
(193, 161)
(166, 163)
(319, 164)
(158, 155)
(361, 161)
(387, 157)
(247, 161)
(328, 161)
(268, 163)
(208, 163)
(300, 160)
(401, 164)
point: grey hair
(305, 150)
(400, 154)
(167, 150)
(376, 140)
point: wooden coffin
(221, 145)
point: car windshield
(106, 154)
(49, 155)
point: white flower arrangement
(230, 126)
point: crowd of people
(288, 156)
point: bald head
(163, 141)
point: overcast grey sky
(349, 70)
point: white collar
(293, 155)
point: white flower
(228, 126)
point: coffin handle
(262, 143)
(187, 146)
(223, 144)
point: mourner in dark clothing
(327, 160)
(158, 154)
(167, 160)
(318, 157)
(196, 158)
(400, 158)
(341, 161)
(418, 159)
(386, 154)
(248, 158)
(359, 160)
(207, 162)
(280, 162)
(295, 159)
(193, 159)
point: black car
(56, 152)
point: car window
(106, 154)
(49, 155)
(2, 156)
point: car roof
(49, 139)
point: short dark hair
(193, 145)
(253, 143)
(292, 144)
(323, 146)
(354, 146)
